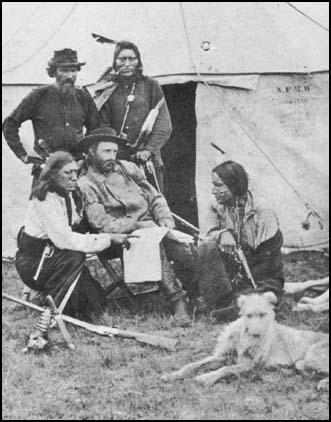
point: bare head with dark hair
(230, 182)
(127, 61)
(59, 175)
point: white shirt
(48, 219)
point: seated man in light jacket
(118, 199)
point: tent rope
(46, 42)
(237, 118)
(23, 24)
(306, 16)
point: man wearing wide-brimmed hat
(118, 199)
(58, 112)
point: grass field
(108, 378)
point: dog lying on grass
(257, 339)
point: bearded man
(235, 219)
(58, 112)
(125, 97)
(117, 198)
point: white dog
(257, 339)
(317, 304)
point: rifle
(152, 340)
(243, 260)
(194, 229)
(239, 251)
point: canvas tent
(250, 77)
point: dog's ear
(241, 301)
(271, 297)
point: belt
(31, 245)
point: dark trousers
(184, 258)
(215, 270)
(57, 274)
(211, 275)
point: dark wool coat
(59, 124)
(147, 94)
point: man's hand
(169, 224)
(120, 240)
(27, 159)
(143, 155)
(227, 242)
(130, 226)
(24, 159)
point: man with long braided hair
(52, 224)
(236, 219)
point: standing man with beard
(125, 97)
(58, 112)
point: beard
(108, 166)
(100, 165)
(66, 91)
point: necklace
(130, 98)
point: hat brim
(66, 64)
(87, 141)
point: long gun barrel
(186, 223)
(243, 260)
(176, 217)
(152, 340)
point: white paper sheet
(142, 262)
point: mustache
(109, 164)
(67, 81)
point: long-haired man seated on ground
(235, 219)
(53, 222)
(118, 199)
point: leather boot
(181, 316)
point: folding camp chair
(117, 280)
